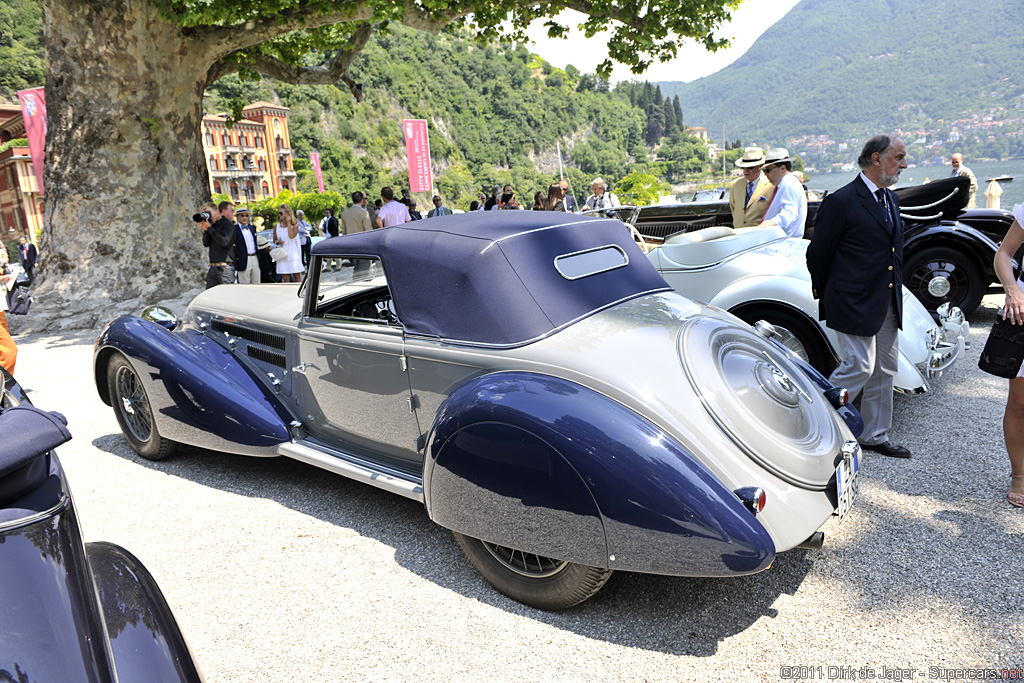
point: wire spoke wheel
(133, 410)
(526, 564)
(133, 404)
(533, 579)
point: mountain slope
(852, 69)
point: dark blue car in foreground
(70, 611)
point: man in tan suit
(355, 218)
(750, 195)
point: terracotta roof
(261, 105)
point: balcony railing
(232, 148)
(284, 150)
(288, 174)
(235, 173)
(248, 149)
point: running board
(354, 468)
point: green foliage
(311, 203)
(17, 142)
(644, 189)
(21, 47)
(488, 111)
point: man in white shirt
(392, 212)
(601, 199)
(788, 207)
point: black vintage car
(948, 249)
(70, 611)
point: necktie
(750, 191)
(884, 205)
(954, 174)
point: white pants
(251, 274)
(869, 366)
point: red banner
(33, 109)
(417, 146)
(314, 158)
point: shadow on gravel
(680, 616)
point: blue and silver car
(529, 377)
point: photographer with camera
(219, 237)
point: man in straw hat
(748, 198)
(788, 206)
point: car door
(353, 389)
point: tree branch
(221, 41)
(327, 73)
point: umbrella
(992, 193)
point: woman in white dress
(286, 234)
(1013, 310)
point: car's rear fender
(145, 640)
(199, 392)
(550, 467)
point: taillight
(752, 497)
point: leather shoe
(888, 449)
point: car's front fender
(956, 235)
(550, 467)
(199, 392)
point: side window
(354, 290)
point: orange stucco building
(254, 157)
(21, 203)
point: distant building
(254, 157)
(21, 203)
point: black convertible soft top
(503, 278)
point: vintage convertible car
(70, 611)
(527, 376)
(948, 251)
(760, 274)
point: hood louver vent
(274, 341)
(266, 356)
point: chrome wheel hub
(939, 286)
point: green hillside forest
(497, 113)
(939, 69)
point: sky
(692, 61)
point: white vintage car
(760, 274)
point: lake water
(1013, 192)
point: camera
(202, 216)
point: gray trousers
(868, 368)
(220, 275)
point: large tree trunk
(124, 162)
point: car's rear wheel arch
(819, 351)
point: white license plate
(846, 483)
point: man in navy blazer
(856, 262)
(247, 265)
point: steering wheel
(639, 239)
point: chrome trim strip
(61, 505)
(353, 467)
(933, 204)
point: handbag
(1003, 354)
(18, 300)
(278, 254)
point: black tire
(533, 580)
(133, 411)
(796, 332)
(923, 270)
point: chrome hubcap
(939, 286)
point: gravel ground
(280, 571)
